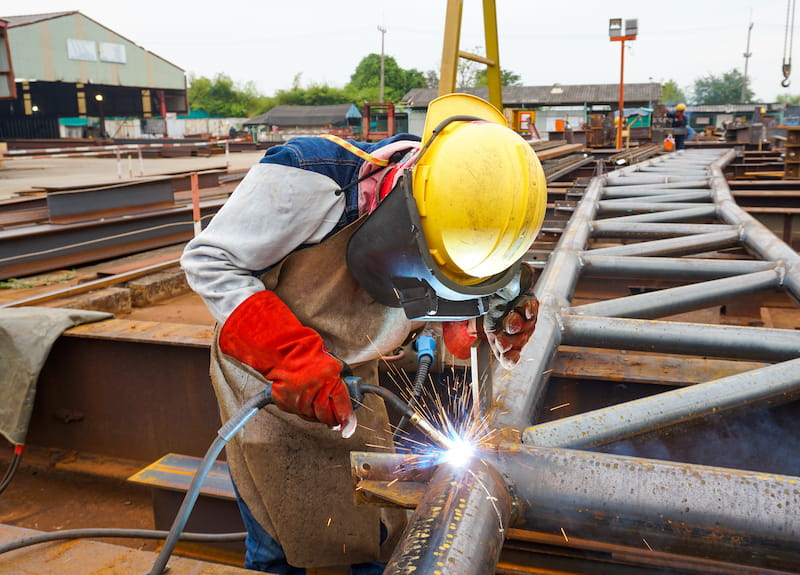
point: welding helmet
(455, 226)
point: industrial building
(63, 74)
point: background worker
(680, 123)
(312, 268)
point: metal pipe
(723, 341)
(667, 219)
(651, 195)
(619, 229)
(621, 190)
(673, 246)
(751, 390)
(738, 516)
(668, 268)
(663, 213)
(459, 526)
(681, 299)
(639, 205)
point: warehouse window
(113, 53)
(81, 49)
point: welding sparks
(559, 406)
(564, 533)
(447, 420)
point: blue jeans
(263, 553)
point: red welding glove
(458, 337)
(509, 323)
(306, 379)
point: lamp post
(99, 99)
(616, 34)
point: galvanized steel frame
(723, 514)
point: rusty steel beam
(459, 525)
(713, 513)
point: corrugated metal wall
(61, 50)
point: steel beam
(723, 341)
(759, 388)
(681, 299)
(668, 268)
(459, 526)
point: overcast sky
(269, 42)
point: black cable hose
(420, 376)
(111, 532)
(224, 434)
(12, 469)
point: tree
(364, 83)
(313, 95)
(788, 99)
(671, 93)
(507, 78)
(727, 89)
(221, 97)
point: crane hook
(787, 71)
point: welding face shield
(455, 226)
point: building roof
(26, 19)
(551, 95)
(332, 115)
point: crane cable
(787, 43)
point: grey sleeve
(274, 210)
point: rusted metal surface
(458, 526)
(135, 390)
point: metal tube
(755, 235)
(663, 213)
(681, 299)
(639, 205)
(723, 341)
(673, 246)
(621, 190)
(651, 195)
(739, 516)
(459, 526)
(668, 268)
(618, 229)
(768, 386)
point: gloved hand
(509, 323)
(306, 379)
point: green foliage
(725, 89)
(313, 95)
(221, 97)
(788, 99)
(507, 78)
(671, 93)
(365, 82)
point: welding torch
(355, 387)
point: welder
(327, 256)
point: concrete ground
(19, 175)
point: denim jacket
(290, 199)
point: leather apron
(294, 475)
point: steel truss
(541, 478)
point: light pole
(99, 99)
(746, 55)
(616, 34)
(382, 30)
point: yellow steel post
(493, 54)
(452, 39)
(451, 52)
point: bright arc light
(459, 453)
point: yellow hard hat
(480, 190)
(680, 107)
